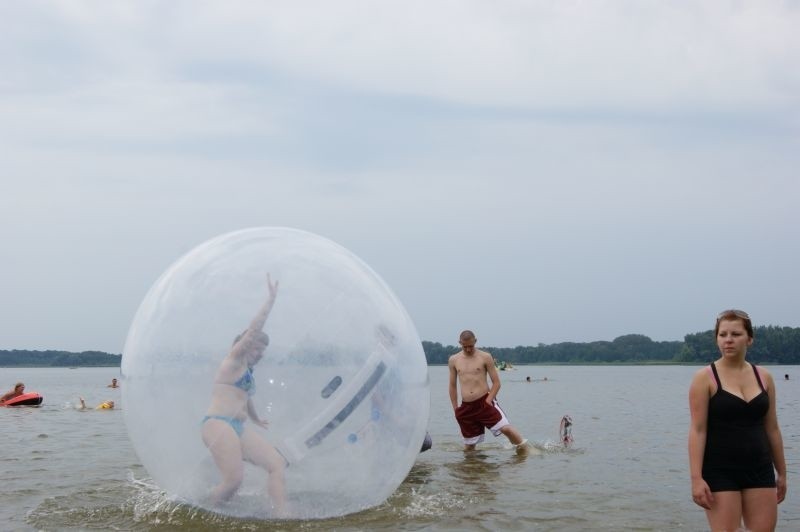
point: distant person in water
(479, 409)
(225, 432)
(528, 379)
(105, 405)
(786, 377)
(19, 389)
(113, 384)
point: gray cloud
(539, 172)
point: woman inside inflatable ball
(344, 398)
(225, 433)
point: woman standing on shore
(735, 443)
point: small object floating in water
(565, 430)
(26, 399)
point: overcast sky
(538, 171)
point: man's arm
(10, 395)
(453, 386)
(493, 376)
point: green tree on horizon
(773, 345)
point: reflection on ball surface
(342, 381)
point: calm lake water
(64, 469)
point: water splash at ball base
(343, 382)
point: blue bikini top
(247, 382)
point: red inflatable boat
(26, 399)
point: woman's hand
(780, 481)
(701, 494)
(261, 317)
(273, 288)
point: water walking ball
(343, 381)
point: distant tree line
(33, 359)
(773, 345)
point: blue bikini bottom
(235, 423)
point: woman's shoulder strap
(713, 368)
(758, 376)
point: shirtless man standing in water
(479, 408)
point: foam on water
(431, 504)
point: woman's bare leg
(760, 509)
(726, 511)
(226, 449)
(258, 451)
